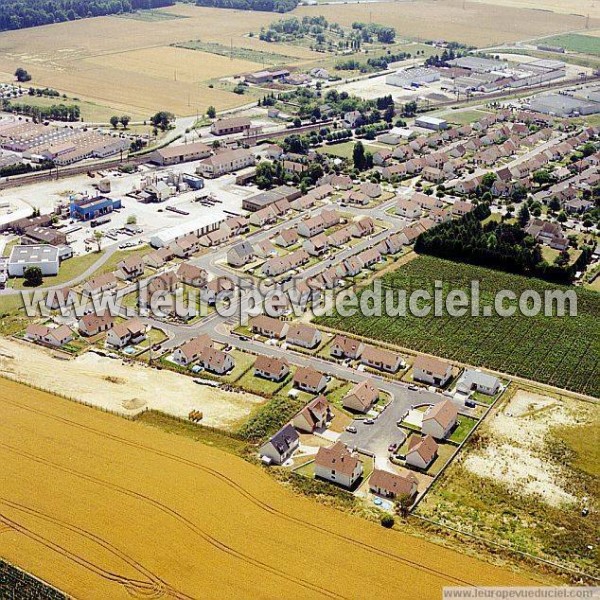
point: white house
(421, 451)
(338, 465)
(281, 446)
(439, 419)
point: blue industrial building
(86, 209)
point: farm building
(228, 126)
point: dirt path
(125, 388)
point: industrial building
(566, 105)
(172, 155)
(431, 123)
(86, 208)
(44, 256)
(413, 77)
(262, 199)
(198, 227)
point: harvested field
(468, 22)
(566, 7)
(534, 466)
(128, 64)
(105, 508)
(130, 388)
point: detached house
(271, 368)
(120, 335)
(130, 268)
(390, 485)
(338, 465)
(432, 370)
(281, 446)
(310, 380)
(439, 419)
(92, 324)
(362, 227)
(315, 415)
(421, 451)
(190, 351)
(191, 275)
(317, 245)
(269, 327)
(472, 380)
(216, 361)
(383, 360)
(303, 335)
(241, 254)
(345, 347)
(57, 336)
(408, 209)
(186, 246)
(361, 397)
(100, 283)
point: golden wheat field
(103, 508)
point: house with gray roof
(281, 446)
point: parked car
(470, 403)
(393, 447)
(351, 429)
(413, 387)
(369, 421)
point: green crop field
(575, 42)
(258, 56)
(561, 351)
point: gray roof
(471, 377)
(285, 438)
(243, 249)
(42, 253)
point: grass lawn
(445, 452)
(576, 42)
(341, 150)
(336, 393)
(8, 247)
(69, 269)
(260, 386)
(307, 469)
(243, 362)
(462, 430)
(465, 117)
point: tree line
(502, 246)
(279, 6)
(18, 14)
(56, 112)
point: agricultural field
(471, 23)
(527, 491)
(567, 7)
(575, 42)
(105, 508)
(129, 65)
(560, 351)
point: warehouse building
(413, 77)
(43, 256)
(563, 105)
(86, 208)
(431, 123)
(172, 155)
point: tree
(98, 235)
(211, 112)
(359, 157)
(488, 180)
(554, 204)
(387, 521)
(523, 215)
(22, 75)
(131, 220)
(562, 217)
(162, 119)
(33, 276)
(542, 177)
(114, 121)
(388, 115)
(125, 121)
